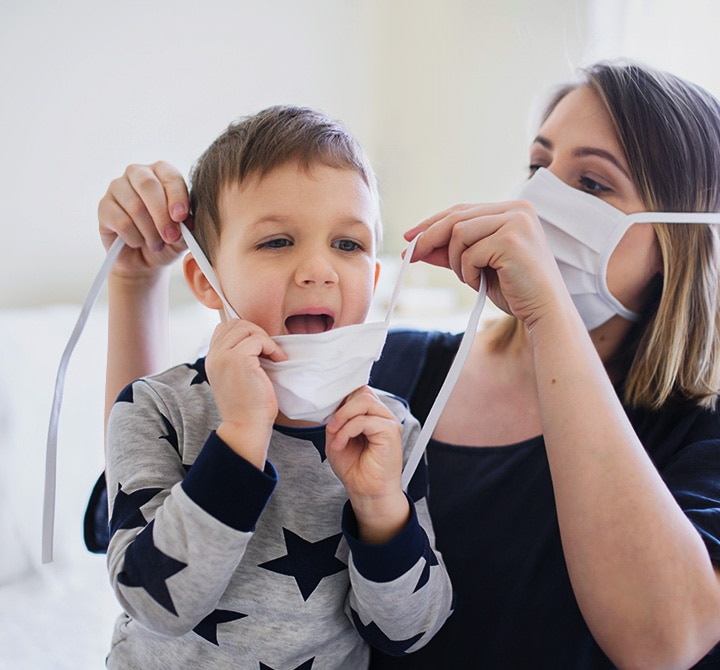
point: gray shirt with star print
(219, 565)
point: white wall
(437, 91)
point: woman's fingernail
(178, 212)
(172, 233)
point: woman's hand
(144, 207)
(505, 241)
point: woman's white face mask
(583, 231)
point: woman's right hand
(144, 207)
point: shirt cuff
(227, 486)
(388, 561)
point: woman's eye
(534, 167)
(592, 186)
(277, 243)
(347, 245)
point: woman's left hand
(505, 241)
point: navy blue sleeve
(386, 562)
(213, 483)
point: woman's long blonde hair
(669, 130)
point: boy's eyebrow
(269, 219)
(581, 152)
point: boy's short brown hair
(255, 145)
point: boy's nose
(316, 269)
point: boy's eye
(276, 243)
(347, 245)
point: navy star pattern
(171, 437)
(430, 560)
(126, 508)
(303, 666)
(126, 395)
(418, 486)
(207, 628)
(307, 562)
(149, 568)
(373, 635)
(199, 367)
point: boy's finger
(360, 402)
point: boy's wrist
(380, 518)
(249, 441)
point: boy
(240, 537)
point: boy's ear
(199, 285)
(377, 274)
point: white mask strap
(207, 270)
(447, 387)
(673, 217)
(401, 275)
(48, 520)
(210, 275)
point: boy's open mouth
(302, 324)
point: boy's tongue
(308, 323)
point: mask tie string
(210, 275)
(48, 519)
(401, 275)
(446, 389)
(207, 269)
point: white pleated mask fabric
(583, 231)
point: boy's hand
(243, 392)
(144, 206)
(364, 449)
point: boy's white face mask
(322, 368)
(583, 231)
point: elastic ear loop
(446, 389)
(48, 520)
(207, 270)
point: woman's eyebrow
(580, 152)
(601, 153)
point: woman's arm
(640, 571)
(143, 207)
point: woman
(575, 472)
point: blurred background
(442, 94)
